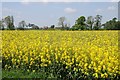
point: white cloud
(70, 10)
(10, 11)
(99, 11)
(114, 0)
(44, 0)
(111, 8)
(59, 1)
(26, 2)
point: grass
(25, 74)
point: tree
(61, 21)
(114, 19)
(35, 27)
(81, 20)
(90, 22)
(9, 21)
(117, 26)
(75, 27)
(98, 19)
(52, 26)
(1, 25)
(22, 24)
(80, 23)
(112, 24)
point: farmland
(62, 54)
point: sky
(47, 12)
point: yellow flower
(33, 71)
(82, 50)
(95, 75)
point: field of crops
(65, 54)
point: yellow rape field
(91, 54)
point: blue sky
(47, 13)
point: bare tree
(9, 21)
(98, 19)
(22, 24)
(90, 22)
(63, 23)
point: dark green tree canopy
(81, 20)
(112, 24)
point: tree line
(82, 23)
(94, 23)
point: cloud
(45, 1)
(111, 8)
(99, 11)
(70, 10)
(26, 2)
(10, 11)
(59, 1)
(114, 0)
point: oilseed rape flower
(90, 53)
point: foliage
(90, 22)
(9, 21)
(63, 54)
(1, 25)
(52, 26)
(97, 24)
(80, 23)
(25, 75)
(81, 20)
(112, 24)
